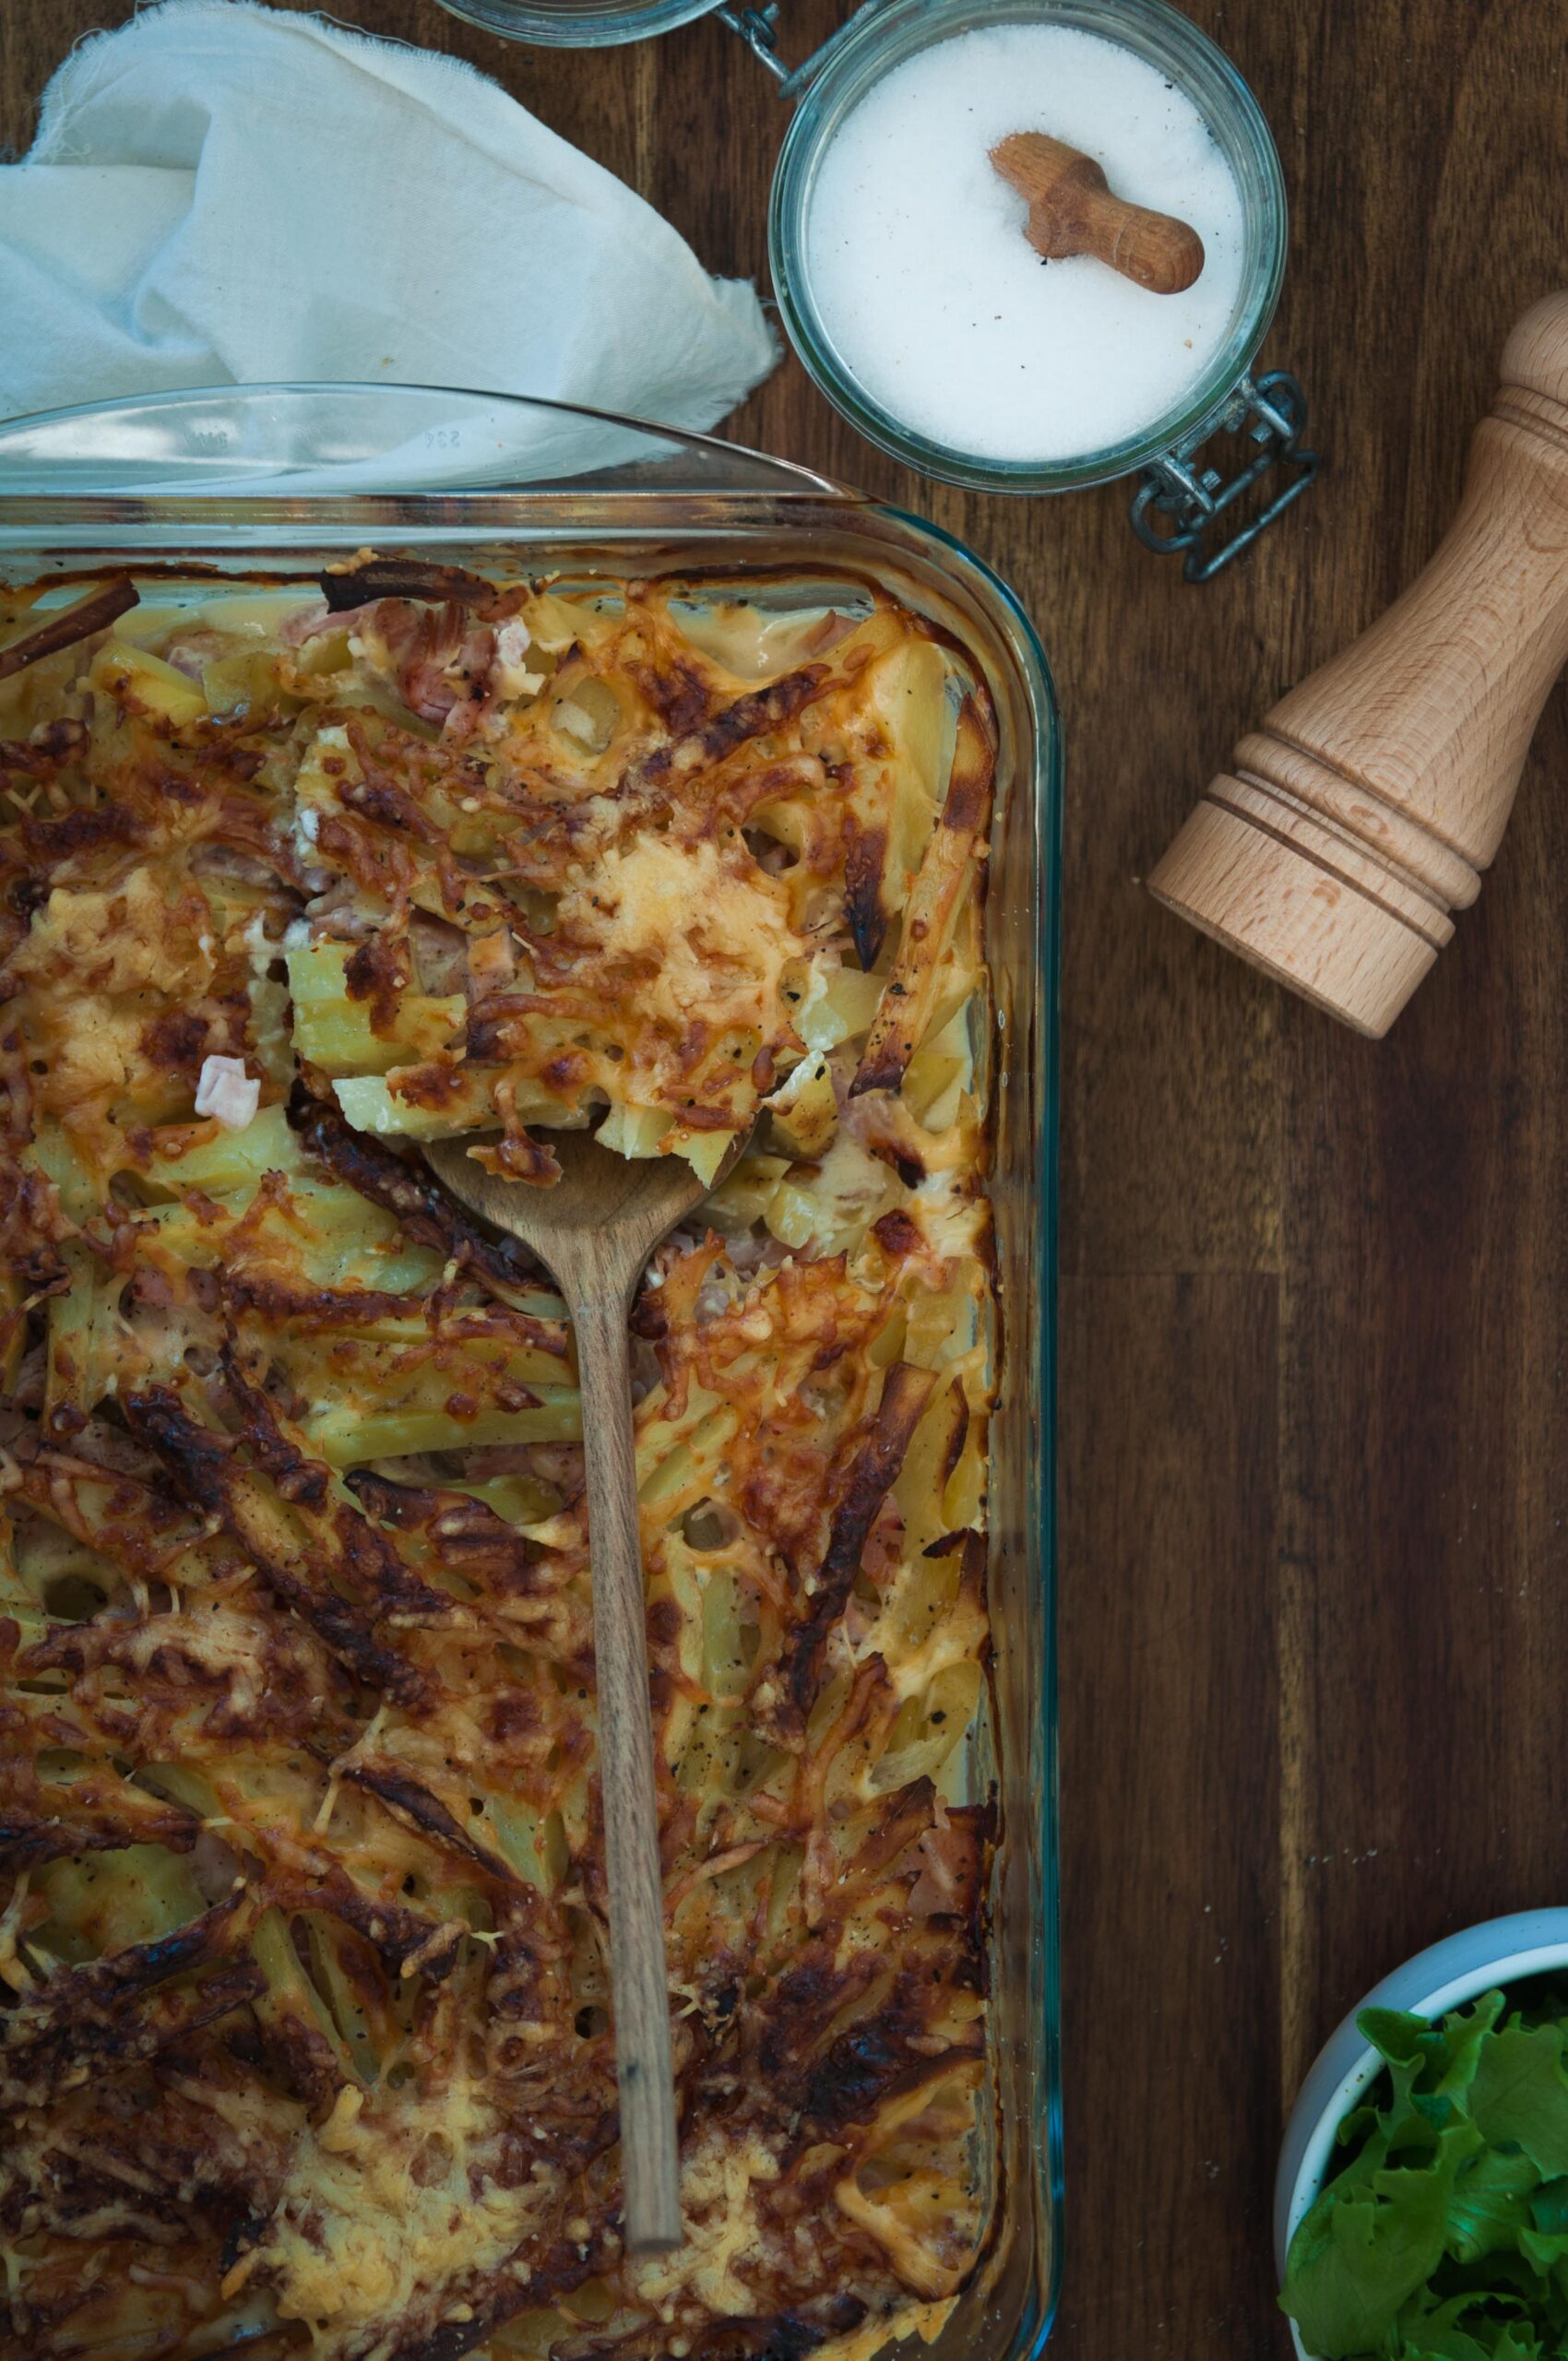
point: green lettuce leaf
(1468, 2328)
(1491, 2208)
(1549, 2208)
(1519, 2093)
(1444, 2234)
(1354, 2261)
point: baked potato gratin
(304, 2044)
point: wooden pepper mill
(1363, 809)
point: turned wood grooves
(1364, 808)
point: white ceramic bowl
(1500, 1951)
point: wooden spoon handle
(68, 625)
(649, 2160)
(1156, 251)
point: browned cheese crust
(305, 2033)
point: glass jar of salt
(907, 280)
(911, 291)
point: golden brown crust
(303, 2012)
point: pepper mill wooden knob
(1364, 808)
(1072, 211)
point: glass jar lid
(886, 34)
(578, 24)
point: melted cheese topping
(375, 2215)
(717, 2180)
(715, 939)
(302, 1925)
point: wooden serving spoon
(1072, 211)
(593, 1230)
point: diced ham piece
(226, 1090)
(492, 960)
(938, 1887)
(750, 1254)
(311, 623)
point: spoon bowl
(632, 1203)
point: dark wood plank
(1171, 1977)
(1422, 1374)
(1426, 1438)
(1314, 1403)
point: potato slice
(804, 1111)
(137, 678)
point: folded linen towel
(220, 193)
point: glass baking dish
(274, 483)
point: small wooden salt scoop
(1362, 810)
(593, 1230)
(1072, 211)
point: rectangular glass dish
(273, 484)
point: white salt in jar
(911, 294)
(921, 279)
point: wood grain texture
(593, 1230)
(1072, 211)
(1315, 1420)
(1364, 806)
(638, 1974)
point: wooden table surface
(1314, 1308)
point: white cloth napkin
(219, 193)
